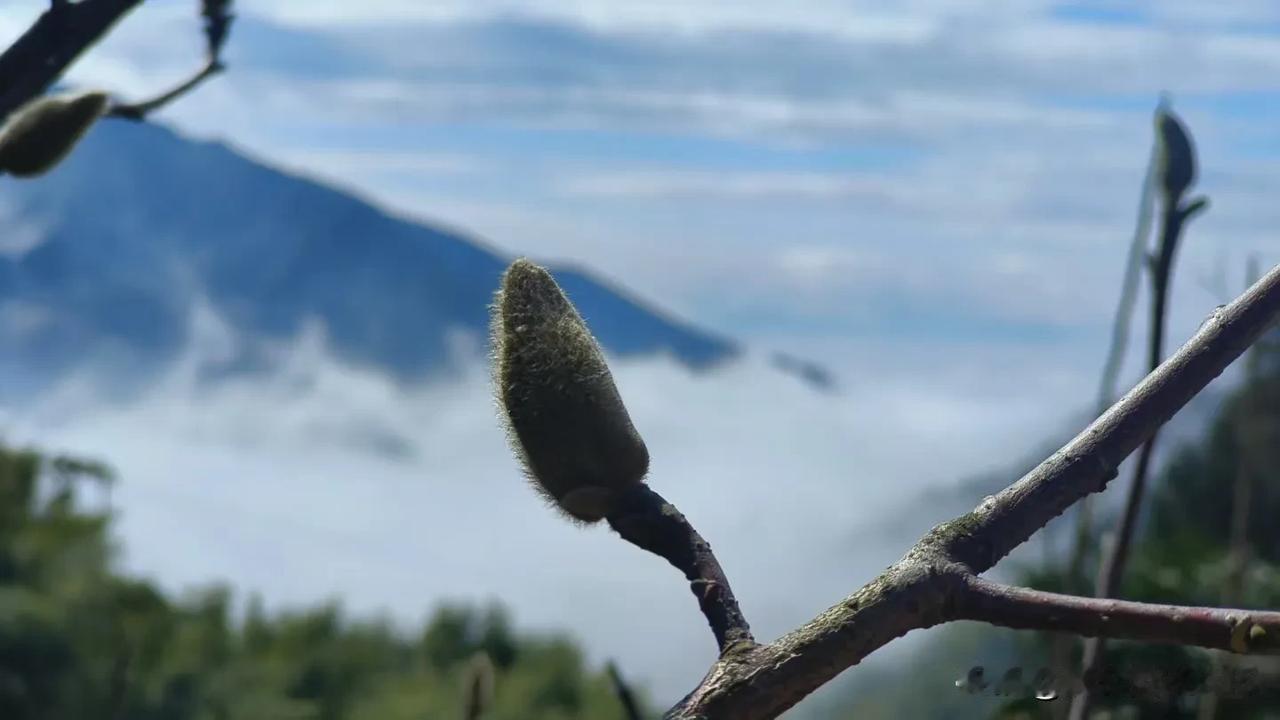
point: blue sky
(776, 170)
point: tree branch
(1239, 631)
(644, 519)
(1087, 463)
(1084, 540)
(217, 24)
(38, 58)
(138, 112)
(932, 583)
(1162, 269)
(1129, 287)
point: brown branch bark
(646, 520)
(936, 578)
(38, 58)
(1239, 631)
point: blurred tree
(79, 640)
(1186, 556)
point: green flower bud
(1177, 154)
(477, 687)
(39, 135)
(563, 414)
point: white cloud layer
(323, 480)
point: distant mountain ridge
(103, 260)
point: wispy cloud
(675, 146)
(745, 185)
(856, 21)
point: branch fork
(939, 579)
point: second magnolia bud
(41, 133)
(1177, 155)
(566, 420)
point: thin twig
(1116, 557)
(217, 18)
(1084, 539)
(37, 59)
(627, 698)
(932, 581)
(1162, 267)
(1238, 631)
(1120, 331)
(139, 111)
(646, 520)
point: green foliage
(1181, 555)
(80, 640)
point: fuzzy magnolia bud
(564, 416)
(1177, 155)
(40, 134)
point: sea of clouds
(321, 480)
